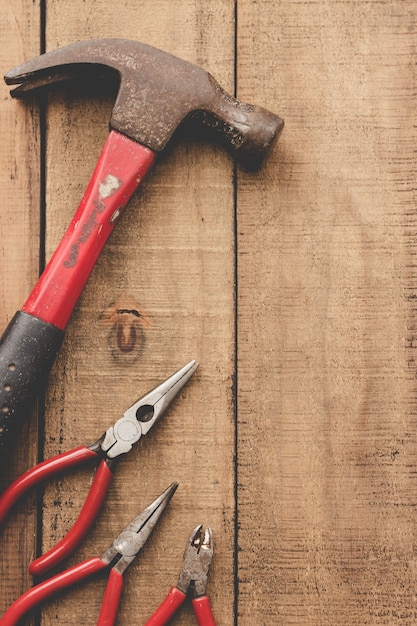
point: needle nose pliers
(116, 441)
(192, 581)
(117, 558)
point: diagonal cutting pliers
(117, 557)
(116, 441)
(192, 581)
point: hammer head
(157, 92)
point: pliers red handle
(88, 514)
(193, 578)
(116, 441)
(119, 555)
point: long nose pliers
(117, 558)
(192, 581)
(116, 441)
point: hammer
(157, 92)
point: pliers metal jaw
(143, 414)
(132, 539)
(197, 559)
(192, 581)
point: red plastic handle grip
(202, 610)
(33, 597)
(41, 472)
(111, 600)
(168, 607)
(121, 166)
(86, 519)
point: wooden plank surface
(171, 255)
(294, 287)
(19, 265)
(326, 374)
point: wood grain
(294, 287)
(172, 256)
(19, 265)
(326, 380)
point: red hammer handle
(121, 166)
(32, 339)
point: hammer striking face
(157, 91)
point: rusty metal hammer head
(157, 92)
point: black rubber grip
(28, 349)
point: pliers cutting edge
(192, 580)
(119, 555)
(116, 441)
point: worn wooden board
(294, 287)
(19, 264)
(171, 258)
(326, 373)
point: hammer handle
(31, 341)
(121, 166)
